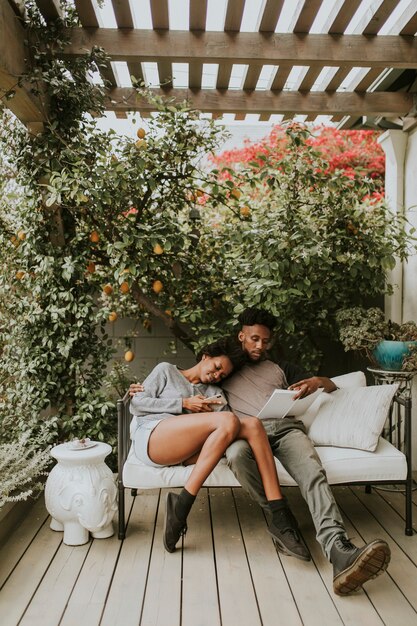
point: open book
(282, 403)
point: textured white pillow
(353, 379)
(352, 417)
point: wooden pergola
(353, 74)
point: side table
(403, 396)
(80, 493)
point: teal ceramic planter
(389, 354)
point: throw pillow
(352, 417)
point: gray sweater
(165, 388)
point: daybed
(386, 465)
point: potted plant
(388, 345)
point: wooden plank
(234, 14)
(89, 594)
(395, 496)
(160, 21)
(50, 9)
(344, 16)
(51, 597)
(281, 77)
(264, 117)
(160, 14)
(252, 76)
(270, 16)
(411, 27)
(195, 74)
(200, 605)
(12, 64)
(386, 595)
(86, 13)
(122, 13)
(127, 591)
(245, 48)
(223, 75)
(236, 593)
(309, 79)
(368, 79)
(20, 587)
(236, 101)
(239, 117)
(338, 78)
(198, 14)
(162, 604)
(380, 17)
(314, 602)
(307, 16)
(356, 609)
(273, 594)
(18, 542)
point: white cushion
(353, 379)
(342, 465)
(353, 417)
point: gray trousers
(296, 452)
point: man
(247, 391)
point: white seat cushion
(342, 465)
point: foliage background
(92, 225)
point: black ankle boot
(173, 526)
(353, 566)
(284, 530)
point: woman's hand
(135, 388)
(199, 404)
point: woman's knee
(230, 424)
(253, 427)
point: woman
(178, 421)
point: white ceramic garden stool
(81, 494)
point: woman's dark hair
(252, 316)
(225, 346)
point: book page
(282, 403)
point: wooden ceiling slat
(160, 21)
(121, 115)
(239, 117)
(195, 74)
(198, 14)
(234, 14)
(252, 76)
(368, 79)
(411, 27)
(50, 9)
(123, 13)
(380, 17)
(160, 14)
(246, 48)
(338, 78)
(88, 19)
(264, 117)
(86, 13)
(307, 16)
(223, 75)
(270, 16)
(379, 103)
(342, 19)
(135, 69)
(281, 77)
(309, 79)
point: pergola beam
(246, 48)
(12, 65)
(268, 102)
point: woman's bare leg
(252, 430)
(178, 438)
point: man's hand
(310, 385)
(199, 404)
(135, 388)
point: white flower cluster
(21, 466)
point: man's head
(256, 327)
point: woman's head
(218, 359)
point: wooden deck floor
(228, 572)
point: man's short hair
(252, 316)
(225, 346)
